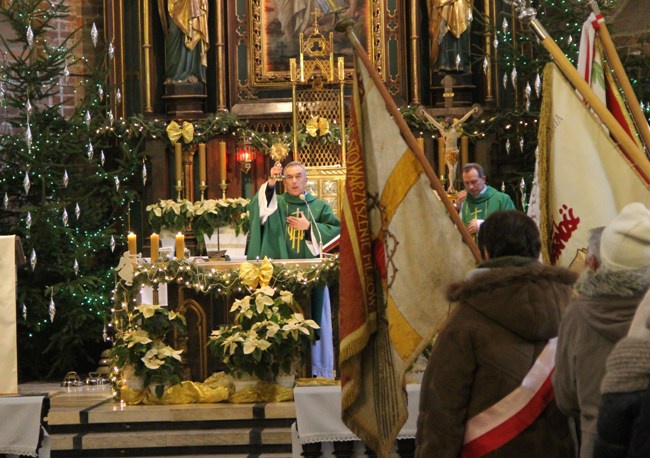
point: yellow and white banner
(584, 180)
(399, 252)
(8, 349)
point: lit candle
(133, 243)
(155, 244)
(178, 155)
(180, 245)
(222, 161)
(202, 163)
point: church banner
(584, 179)
(8, 349)
(399, 252)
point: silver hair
(293, 164)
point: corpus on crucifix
(449, 130)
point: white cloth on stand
(20, 424)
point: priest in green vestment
(296, 225)
(293, 225)
(478, 200)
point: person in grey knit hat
(600, 316)
(624, 412)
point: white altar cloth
(318, 416)
(20, 426)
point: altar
(204, 289)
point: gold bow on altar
(174, 131)
(252, 275)
(318, 125)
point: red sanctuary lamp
(245, 156)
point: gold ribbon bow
(318, 125)
(252, 275)
(174, 131)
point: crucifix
(449, 130)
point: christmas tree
(65, 186)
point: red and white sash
(506, 419)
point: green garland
(193, 275)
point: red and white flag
(398, 252)
(583, 179)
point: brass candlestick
(179, 189)
(223, 186)
(203, 187)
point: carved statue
(449, 34)
(185, 23)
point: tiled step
(92, 424)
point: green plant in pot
(211, 214)
(141, 348)
(170, 215)
(268, 335)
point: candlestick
(202, 173)
(155, 245)
(180, 246)
(133, 243)
(421, 143)
(464, 150)
(223, 186)
(178, 155)
(441, 156)
(222, 161)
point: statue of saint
(449, 130)
(449, 34)
(185, 23)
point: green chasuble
(484, 205)
(276, 240)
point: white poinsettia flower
(147, 310)
(267, 290)
(241, 304)
(230, 343)
(286, 297)
(297, 323)
(168, 352)
(136, 337)
(151, 360)
(272, 328)
(262, 302)
(252, 342)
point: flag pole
(346, 25)
(633, 152)
(621, 75)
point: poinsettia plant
(268, 335)
(210, 214)
(141, 345)
(172, 215)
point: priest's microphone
(314, 224)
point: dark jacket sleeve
(616, 417)
(445, 394)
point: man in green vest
(478, 200)
(296, 225)
(293, 225)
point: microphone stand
(320, 237)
